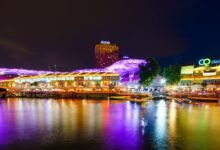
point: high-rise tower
(106, 54)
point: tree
(148, 71)
(172, 74)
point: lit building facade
(207, 73)
(128, 70)
(120, 75)
(69, 82)
(202, 74)
(106, 54)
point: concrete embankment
(99, 95)
(205, 99)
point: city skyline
(112, 74)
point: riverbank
(191, 99)
(79, 95)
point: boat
(139, 98)
(186, 100)
(132, 98)
(119, 97)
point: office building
(106, 54)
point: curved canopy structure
(4, 71)
(126, 66)
(127, 69)
(122, 67)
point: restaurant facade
(204, 75)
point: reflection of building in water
(172, 122)
(161, 122)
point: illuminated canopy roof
(122, 67)
(125, 68)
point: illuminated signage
(105, 42)
(208, 62)
(209, 73)
(187, 69)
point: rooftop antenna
(49, 68)
(55, 67)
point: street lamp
(163, 83)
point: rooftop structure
(128, 69)
(204, 77)
(122, 67)
(124, 72)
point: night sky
(36, 34)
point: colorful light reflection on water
(95, 124)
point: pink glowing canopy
(122, 67)
(126, 68)
(4, 71)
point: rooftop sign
(187, 69)
(105, 42)
(208, 62)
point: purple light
(125, 57)
(126, 68)
(4, 71)
(122, 67)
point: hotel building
(106, 54)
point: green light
(207, 62)
(204, 62)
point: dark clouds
(39, 33)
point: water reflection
(93, 124)
(161, 124)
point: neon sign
(208, 61)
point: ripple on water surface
(103, 124)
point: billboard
(187, 69)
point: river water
(102, 124)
